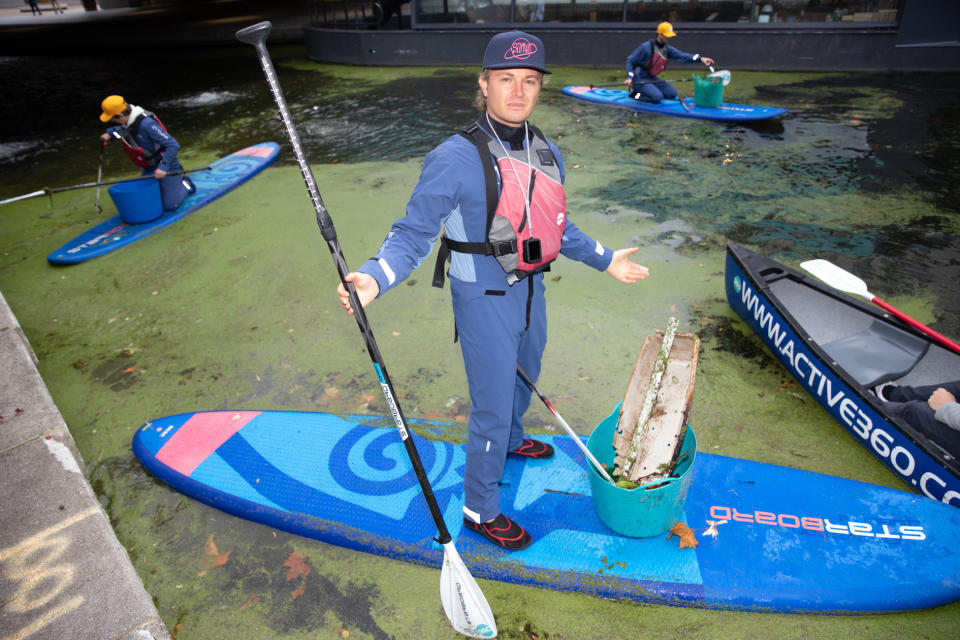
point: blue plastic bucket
(640, 512)
(137, 201)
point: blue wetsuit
(149, 135)
(499, 325)
(647, 85)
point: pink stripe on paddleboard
(257, 152)
(579, 90)
(200, 436)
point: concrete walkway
(63, 573)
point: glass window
(824, 11)
(677, 11)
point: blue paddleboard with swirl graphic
(770, 538)
(222, 176)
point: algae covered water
(233, 307)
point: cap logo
(521, 49)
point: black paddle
(723, 74)
(463, 602)
(48, 191)
(623, 84)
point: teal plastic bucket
(138, 201)
(707, 92)
(640, 512)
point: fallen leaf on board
(688, 539)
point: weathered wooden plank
(660, 445)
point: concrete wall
(761, 47)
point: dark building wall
(930, 23)
(812, 47)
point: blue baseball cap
(515, 49)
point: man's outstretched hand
(624, 269)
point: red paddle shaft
(947, 342)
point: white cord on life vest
(526, 192)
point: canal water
(233, 307)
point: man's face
(119, 119)
(511, 94)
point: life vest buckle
(504, 248)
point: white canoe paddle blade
(463, 602)
(836, 277)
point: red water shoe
(503, 532)
(533, 449)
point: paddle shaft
(120, 181)
(256, 35)
(96, 184)
(103, 145)
(563, 423)
(945, 341)
(840, 278)
(722, 74)
(623, 84)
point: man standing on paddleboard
(149, 146)
(649, 60)
(496, 190)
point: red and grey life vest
(658, 61)
(138, 155)
(508, 226)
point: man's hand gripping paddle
(463, 602)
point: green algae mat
(234, 308)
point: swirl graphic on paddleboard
(377, 463)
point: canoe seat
(879, 354)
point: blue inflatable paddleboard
(224, 175)
(685, 108)
(770, 538)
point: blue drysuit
(648, 86)
(499, 325)
(152, 137)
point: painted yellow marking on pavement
(33, 565)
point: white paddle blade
(723, 74)
(463, 602)
(836, 277)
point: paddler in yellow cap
(650, 59)
(149, 146)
